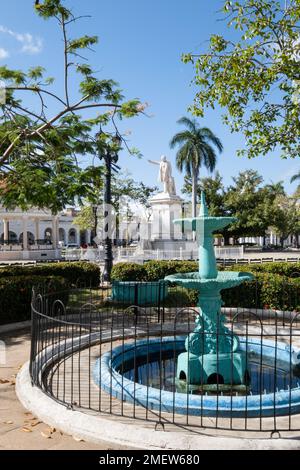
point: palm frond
(208, 135)
(189, 123)
(209, 157)
(196, 147)
(180, 138)
(295, 177)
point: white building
(38, 234)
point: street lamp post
(108, 256)
(110, 158)
(95, 214)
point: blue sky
(140, 46)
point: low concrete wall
(99, 428)
(30, 255)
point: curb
(98, 428)
(15, 326)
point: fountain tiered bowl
(213, 354)
(224, 280)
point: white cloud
(30, 44)
(3, 53)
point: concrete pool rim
(279, 403)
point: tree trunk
(194, 197)
(194, 194)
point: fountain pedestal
(213, 354)
(212, 350)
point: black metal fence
(90, 351)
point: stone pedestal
(166, 207)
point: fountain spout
(207, 260)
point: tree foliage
(43, 132)
(287, 218)
(256, 77)
(123, 188)
(258, 207)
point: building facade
(37, 234)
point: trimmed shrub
(151, 271)
(270, 291)
(16, 292)
(280, 268)
(82, 272)
(128, 272)
(181, 297)
(157, 270)
(272, 287)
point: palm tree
(195, 150)
(295, 177)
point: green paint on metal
(212, 352)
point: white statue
(165, 175)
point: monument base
(166, 208)
(226, 368)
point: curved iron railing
(72, 330)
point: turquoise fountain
(213, 354)
(216, 370)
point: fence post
(136, 300)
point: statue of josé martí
(165, 175)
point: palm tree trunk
(194, 197)
(194, 193)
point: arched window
(62, 235)
(13, 238)
(48, 235)
(30, 238)
(72, 238)
(83, 237)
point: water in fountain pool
(159, 371)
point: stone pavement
(19, 429)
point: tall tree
(286, 218)
(214, 192)
(196, 150)
(254, 75)
(253, 204)
(124, 187)
(42, 131)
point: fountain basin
(224, 280)
(107, 374)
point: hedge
(272, 287)
(270, 291)
(151, 271)
(281, 268)
(129, 272)
(82, 272)
(15, 295)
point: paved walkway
(18, 428)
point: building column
(25, 240)
(88, 237)
(37, 230)
(54, 240)
(6, 230)
(55, 236)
